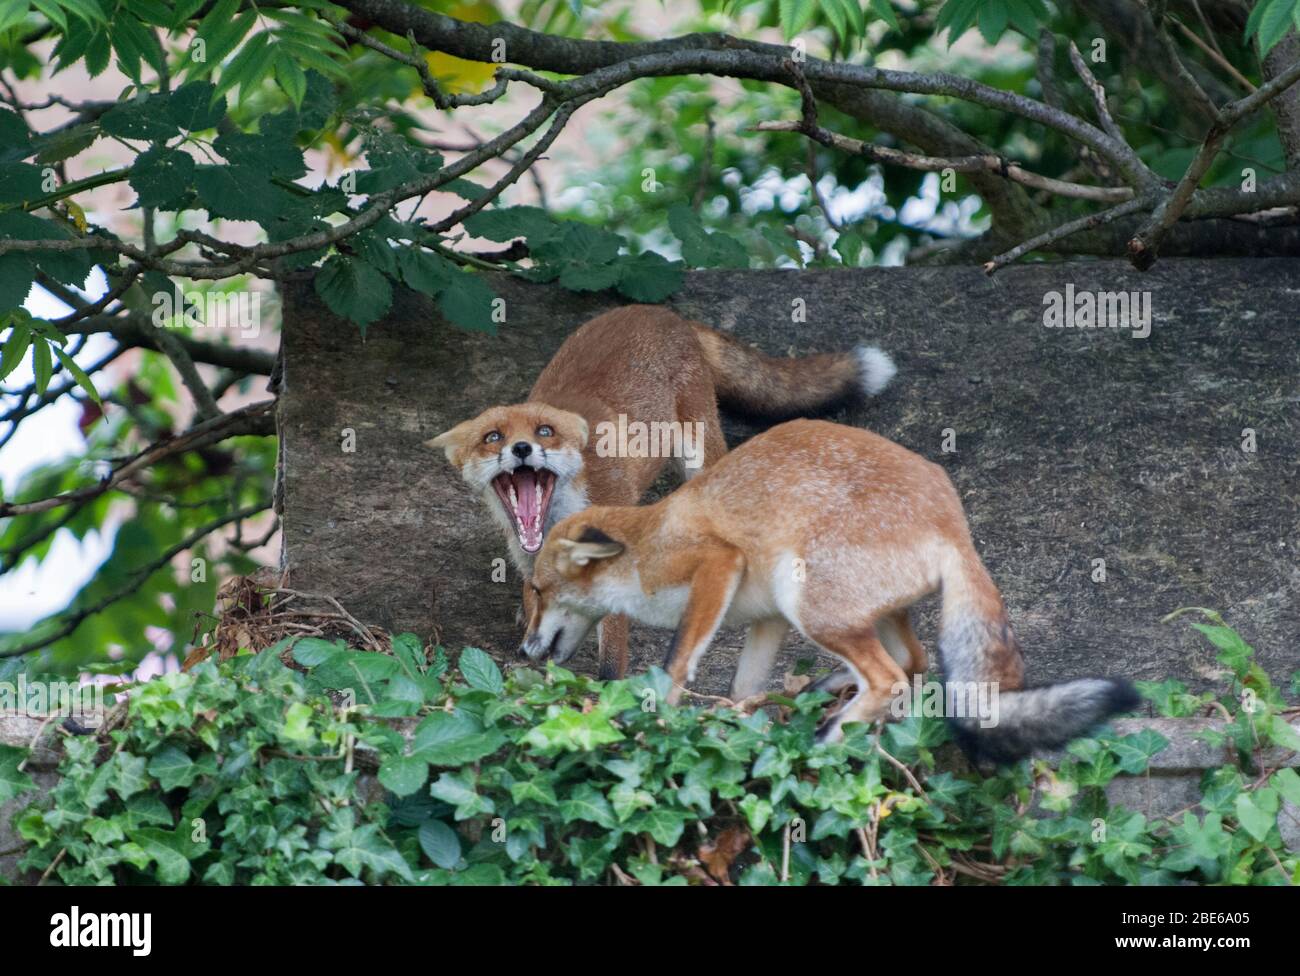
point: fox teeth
(514, 499)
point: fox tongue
(525, 483)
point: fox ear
(449, 440)
(592, 544)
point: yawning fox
(537, 462)
(834, 531)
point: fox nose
(521, 449)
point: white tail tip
(875, 367)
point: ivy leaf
(1287, 783)
(1254, 815)
(172, 768)
(354, 290)
(664, 825)
(311, 652)
(1135, 751)
(128, 776)
(588, 803)
(168, 850)
(13, 781)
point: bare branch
(960, 164)
(1065, 230)
(1144, 247)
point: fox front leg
(713, 586)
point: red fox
(537, 462)
(834, 531)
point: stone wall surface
(1071, 446)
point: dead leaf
(718, 855)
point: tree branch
(1144, 247)
(256, 418)
(139, 577)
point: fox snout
(535, 647)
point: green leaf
(649, 277)
(573, 731)
(172, 768)
(159, 176)
(467, 302)
(1274, 23)
(311, 652)
(885, 11)
(480, 671)
(664, 825)
(354, 290)
(454, 739)
(404, 775)
(78, 374)
(168, 850)
(440, 844)
(13, 13)
(1287, 783)
(1135, 751)
(993, 18)
(128, 775)
(508, 223)
(195, 106)
(42, 364)
(20, 182)
(15, 345)
(290, 77)
(13, 781)
(1284, 734)
(141, 118)
(1257, 812)
(794, 15)
(701, 249)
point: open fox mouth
(526, 494)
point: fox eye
(545, 431)
(492, 437)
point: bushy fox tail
(977, 648)
(750, 383)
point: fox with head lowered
(835, 532)
(538, 462)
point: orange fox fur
(645, 364)
(834, 531)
